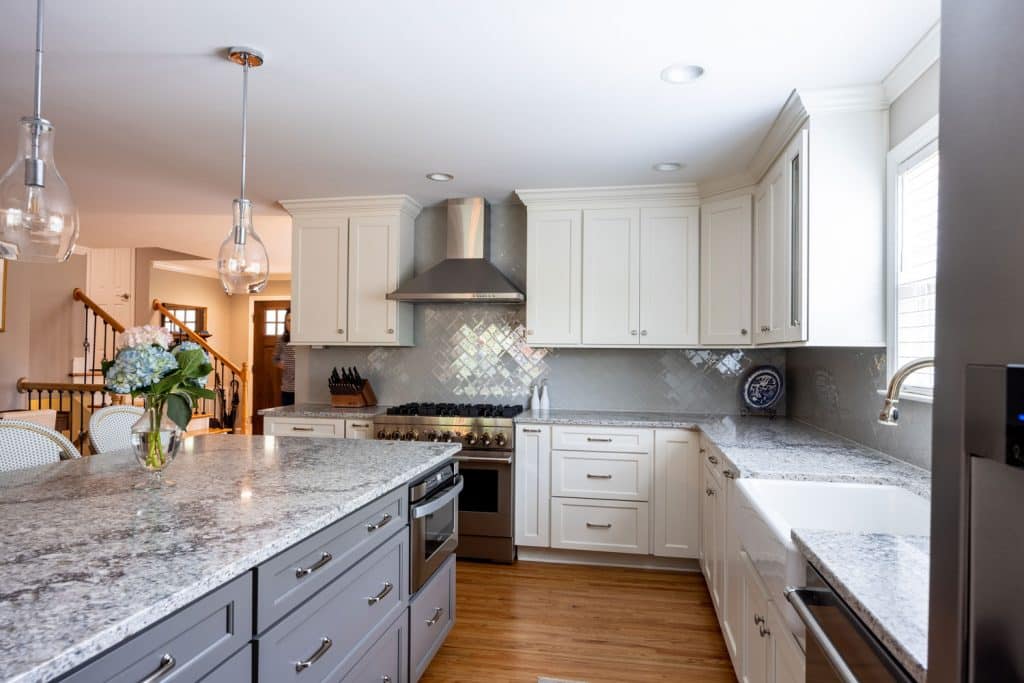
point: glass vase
(155, 438)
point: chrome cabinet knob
(633, 332)
(643, 333)
(391, 330)
(709, 492)
(744, 332)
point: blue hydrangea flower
(139, 367)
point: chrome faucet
(890, 413)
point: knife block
(358, 399)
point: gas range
(478, 427)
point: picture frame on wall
(3, 295)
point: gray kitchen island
(272, 557)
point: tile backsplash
(478, 353)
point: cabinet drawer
(387, 659)
(607, 525)
(289, 427)
(431, 617)
(284, 581)
(616, 476)
(324, 637)
(605, 439)
(188, 644)
(235, 670)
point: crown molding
(724, 188)
(184, 267)
(624, 195)
(920, 58)
(787, 122)
(852, 98)
(328, 205)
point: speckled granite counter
(765, 449)
(884, 580)
(86, 560)
(324, 410)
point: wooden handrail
(79, 295)
(192, 336)
(24, 386)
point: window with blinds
(916, 232)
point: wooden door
(268, 326)
(611, 277)
(554, 243)
(669, 276)
(725, 272)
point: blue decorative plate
(763, 387)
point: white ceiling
(367, 97)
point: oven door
(485, 506)
(434, 531)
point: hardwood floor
(594, 624)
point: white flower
(146, 335)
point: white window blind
(916, 224)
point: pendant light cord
(245, 99)
(38, 101)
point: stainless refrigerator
(976, 609)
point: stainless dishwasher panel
(838, 646)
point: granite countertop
(884, 580)
(324, 410)
(87, 559)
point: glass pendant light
(38, 219)
(243, 263)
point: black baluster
(94, 338)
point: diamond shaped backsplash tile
(479, 353)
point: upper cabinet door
(669, 276)
(372, 273)
(319, 280)
(796, 238)
(725, 311)
(611, 279)
(554, 243)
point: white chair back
(26, 444)
(110, 428)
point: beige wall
(196, 290)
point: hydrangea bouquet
(170, 378)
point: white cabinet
(358, 429)
(677, 499)
(712, 542)
(603, 525)
(533, 486)
(756, 651)
(611, 277)
(554, 244)
(725, 248)
(347, 254)
(732, 613)
(612, 476)
(779, 240)
(613, 267)
(787, 660)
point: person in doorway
(284, 358)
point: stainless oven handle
(470, 458)
(816, 632)
(434, 504)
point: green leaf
(179, 409)
(198, 392)
(189, 361)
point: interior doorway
(268, 326)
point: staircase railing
(73, 401)
(229, 381)
(100, 340)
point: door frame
(251, 337)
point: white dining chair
(110, 428)
(26, 444)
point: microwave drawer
(604, 439)
(614, 476)
(324, 638)
(286, 580)
(605, 525)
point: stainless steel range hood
(465, 274)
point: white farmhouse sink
(768, 510)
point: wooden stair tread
(202, 416)
(208, 431)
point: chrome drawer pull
(599, 439)
(591, 525)
(359, 426)
(436, 618)
(380, 596)
(325, 645)
(713, 460)
(532, 431)
(598, 476)
(302, 429)
(166, 664)
(383, 520)
(302, 572)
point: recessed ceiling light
(440, 177)
(681, 73)
(668, 166)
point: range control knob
(500, 440)
(433, 436)
(485, 439)
(382, 434)
(447, 437)
(470, 439)
(410, 435)
(395, 435)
